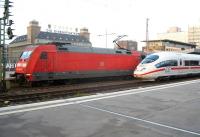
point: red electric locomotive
(63, 61)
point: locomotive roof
(88, 49)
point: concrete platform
(160, 111)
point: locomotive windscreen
(25, 54)
(150, 59)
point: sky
(112, 17)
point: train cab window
(167, 63)
(43, 55)
(25, 54)
(150, 59)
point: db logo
(167, 69)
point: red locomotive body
(56, 62)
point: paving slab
(152, 112)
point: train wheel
(158, 79)
(20, 79)
(60, 82)
(33, 84)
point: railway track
(30, 95)
(26, 95)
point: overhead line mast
(147, 34)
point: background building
(194, 35)
(174, 33)
(127, 44)
(191, 36)
(36, 36)
(168, 45)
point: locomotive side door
(43, 62)
(47, 64)
(51, 65)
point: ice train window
(194, 63)
(150, 59)
(167, 63)
(191, 63)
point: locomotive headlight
(24, 64)
(19, 64)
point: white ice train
(168, 64)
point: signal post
(5, 29)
